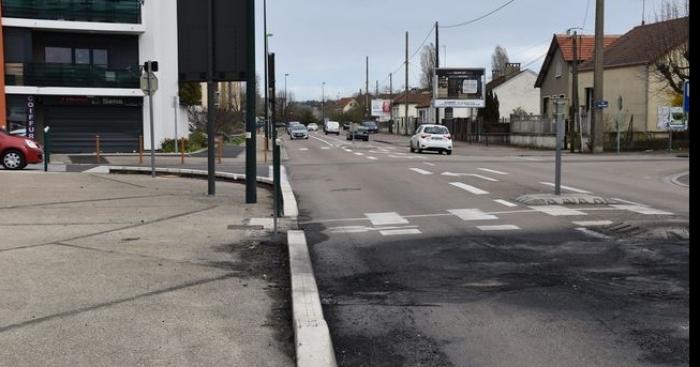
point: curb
(675, 179)
(312, 338)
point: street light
(323, 101)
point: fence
(477, 131)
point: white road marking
(493, 171)
(363, 229)
(429, 164)
(472, 189)
(557, 210)
(628, 202)
(593, 234)
(506, 227)
(360, 154)
(506, 203)
(472, 214)
(421, 171)
(303, 149)
(641, 210)
(484, 177)
(386, 219)
(469, 175)
(372, 158)
(594, 223)
(400, 232)
(321, 140)
(325, 148)
(98, 169)
(348, 150)
(568, 188)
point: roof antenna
(644, 8)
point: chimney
(512, 68)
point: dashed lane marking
(471, 214)
(386, 219)
(471, 189)
(568, 188)
(325, 148)
(421, 171)
(493, 171)
(359, 154)
(506, 203)
(505, 227)
(557, 210)
(303, 149)
(593, 234)
(321, 140)
(594, 223)
(642, 210)
(400, 232)
(372, 158)
(628, 202)
(429, 164)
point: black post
(211, 159)
(251, 150)
(275, 147)
(47, 148)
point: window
(82, 56)
(99, 57)
(58, 55)
(545, 106)
(558, 70)
(438, 130)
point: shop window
(58, 55)
(99, 57)
(82, 56)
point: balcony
(104, 11)
(71, 75)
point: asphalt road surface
(428, 260)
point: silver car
(299, 132)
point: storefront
(77, 121)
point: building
(76, 66)
(347, 104)
(555, 77)
(515, 90)
(632, 76)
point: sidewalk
(129, 270)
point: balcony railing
(70, 75)
(108, 11)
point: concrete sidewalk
(109, 270)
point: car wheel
(367, 139)
(449, 152)
(412, 150)
(420, 151)
(13, 160)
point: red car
(17, 152)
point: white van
(331, 127)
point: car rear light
(448, 137)
(424, 136)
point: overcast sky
(327, 40)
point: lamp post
(267, 84)
(285, 97)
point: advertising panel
(381, 108)
(460, 88)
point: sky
(318, 41)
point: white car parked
(312, 127)
(432, 137)
(331, 127)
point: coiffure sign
(31, 118)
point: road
(429, 260)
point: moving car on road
(358, 133)
(16, 152)
(432, 137)
(371, 127)
(290, 125)
(299, 132)
(331, 127)
(347, 125)
(312, 127)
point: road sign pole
(251, 150)
(149, 73)
(211, 87)
(560, 137)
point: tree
(190, 94)
(490, 112)
(427, 65)
(499, 59)
(673, 68)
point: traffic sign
(144, 83)
(686, 96)
(599, 105)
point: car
(331, 127)
(358, 133)
(371, 126)
(312, 127)
(432, 138)
(17, 152)
(299, 132)
(290, 125)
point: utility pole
(376, 89)
(211, 89)
(367, 106)
(267, 83)
(405, 119)
(391, 106)
(437, 65)
(598, 79)
(275, 146)
(284, 106)
(323, 101)
(574, 119)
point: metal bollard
(182, 151)
(140, 149)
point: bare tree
(427, 65)
(672, 67)
(499, 59)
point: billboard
(381, 108)
(460, 88)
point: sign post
(560, 138)
(149, 85)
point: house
(632, 75)
(515, 91)
(555, 77)
(76, 66)
(345, 105)
(405, 124)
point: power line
(479, 18)
(585, 16)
